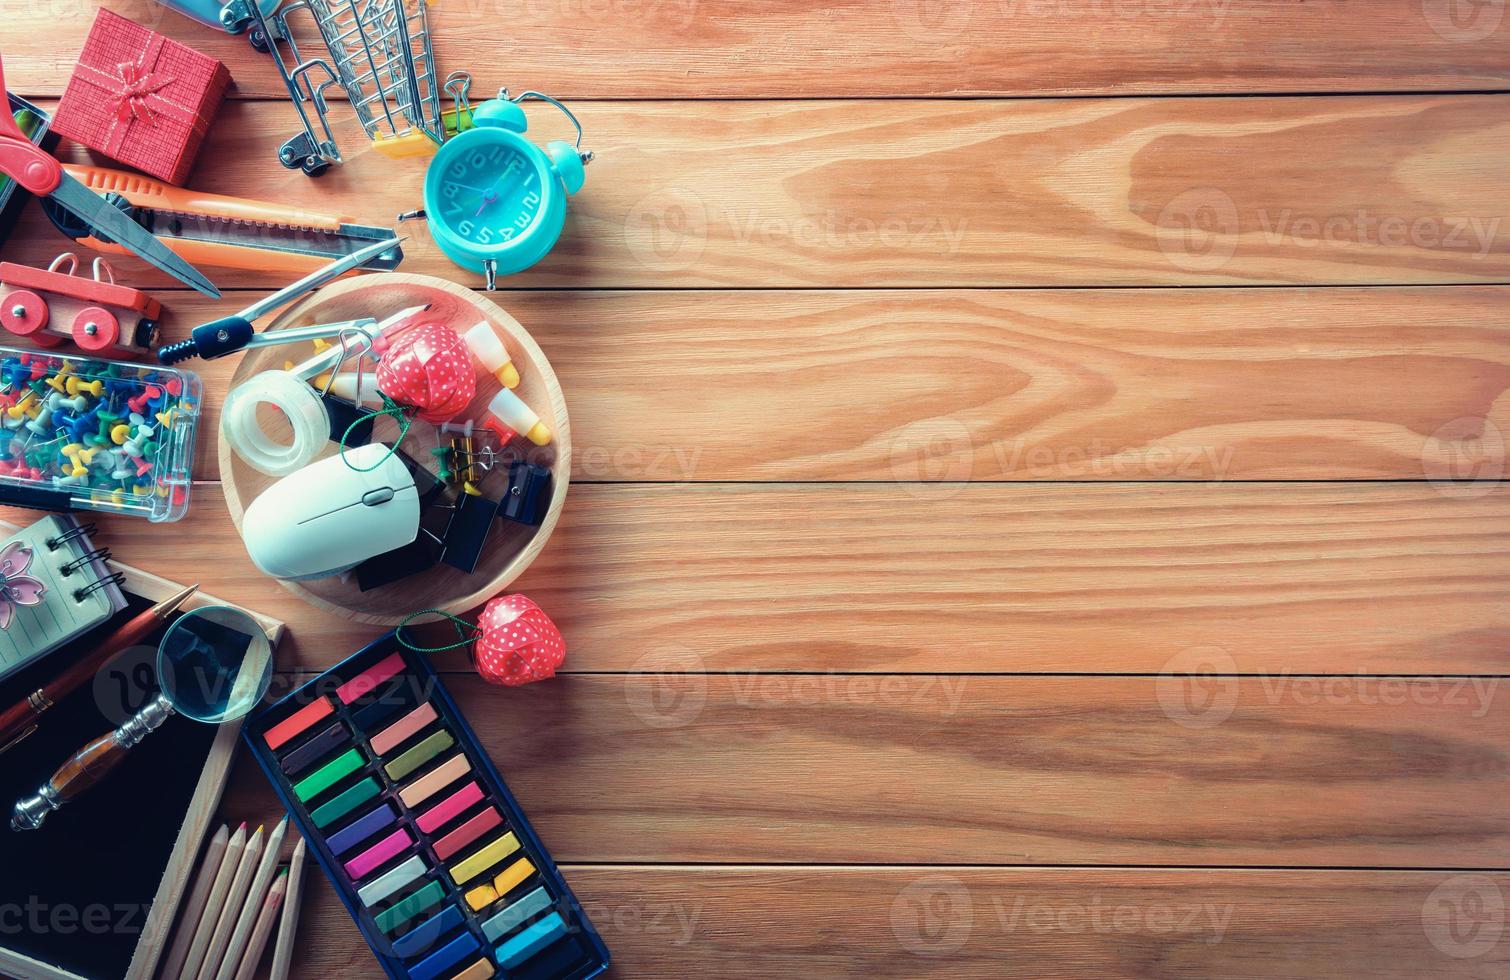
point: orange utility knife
(220, 230)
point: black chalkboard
(75, 894)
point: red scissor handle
(31, 167)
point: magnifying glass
(213, 665)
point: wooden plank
(1103, 192)
(949, 923)
(838, 768)
(691, 49)
(928, 385)
(1368, 578)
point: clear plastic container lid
(80, 433)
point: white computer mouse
(325, 518)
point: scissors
(36, 170)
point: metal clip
(459, 84)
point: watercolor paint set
(425, 844)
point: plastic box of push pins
(424, 843)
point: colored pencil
(192, 908)
(283, 953)
(210, 915)
(246, 918)
(258, 943)
(228, 913)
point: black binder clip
(523, 502)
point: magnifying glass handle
(89, 765)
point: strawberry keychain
(513, 642)
(430, 368)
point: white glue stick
(489, 350)
(516, 415)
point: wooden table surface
(1037, 505)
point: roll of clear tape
(298, 402)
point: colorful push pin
(507, 408)
(138, 403)
(124, 470)
(23, 406)
(165, 418)
(38, 426)
(486, 346)
(80, 427)
(78, 458)
(143, 467)
(175, 386)
(58, 381)
(442, 456)
(464, 430)
(57, 402)
(321, 345)
(119, 433)
(78, 387)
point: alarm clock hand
(488, 197)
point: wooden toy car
(54, 304)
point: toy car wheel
(95, 329)
(257, 38)
(314, 166)
(23, 312)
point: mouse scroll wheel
(379, 496)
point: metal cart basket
(379, 52)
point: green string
(404, 414)
(462, 639)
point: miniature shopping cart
(379, 52)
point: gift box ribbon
(134, 94)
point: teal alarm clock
(496, 202)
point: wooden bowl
(510, 547)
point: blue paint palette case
(424, 843)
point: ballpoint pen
(36, 170)
(21, 718)
(235, 332)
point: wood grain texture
(1370, 578)
(694, 49)
(1102, 192)
(838, 768)
(929, 385)
(949, 923)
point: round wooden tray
(510, 547)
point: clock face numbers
(490, 194)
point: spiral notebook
(53, 586)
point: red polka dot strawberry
(430, 368)
(519, 643)
(513, 642)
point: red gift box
(141, 98)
